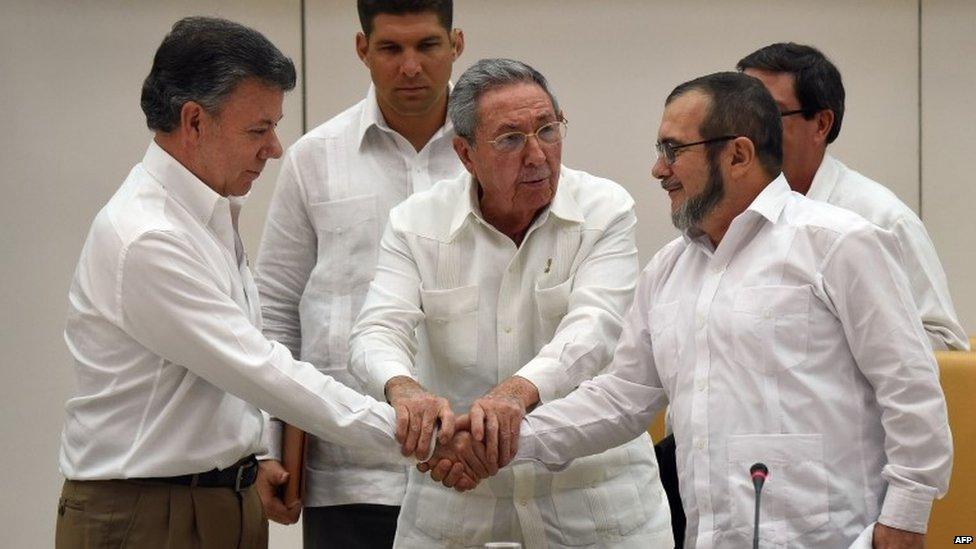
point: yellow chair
(953, 515)
(656, 428)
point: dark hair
(488, 74)
(368, 9)
(817, 81)
(739, 105)
(202, 59)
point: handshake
(469, 447)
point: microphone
(758, 472)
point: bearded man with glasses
(499, 290)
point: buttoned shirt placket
(507, 330)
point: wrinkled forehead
(517, 106)
(683, 117)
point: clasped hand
(469, 448)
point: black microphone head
(760, 469)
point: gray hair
(203, 59)
(488, 74)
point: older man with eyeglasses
(517, 275)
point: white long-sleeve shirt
(164, 328)
(835, 183)
(794, 343)
(318, 255)
(548, 310)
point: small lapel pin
(548, 266)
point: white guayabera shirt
(548, 310)
(164, 327)
(841, 186)
(318, 255)
(794, 343)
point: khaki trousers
(130, 513)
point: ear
(457, 42)
(362, 46)
(463, 150)
(192, 120)
(743, 156)
(825, 121)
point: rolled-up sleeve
(886, 337)
(586, 336)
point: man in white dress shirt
(781, 330)
(164, 324)
(513, 278)
(808, 89)
(318, 253)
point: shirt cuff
(547, 375)
(528, 448)
(905, 510)
(271, 439)
(381, 373)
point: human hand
(886, 537)
(416, 411)
(271, 477)
(459, 464)
(497, 417)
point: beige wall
(949, 144)
(70, 74)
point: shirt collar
(372, 117)
(824, 180)
(768, 204)
(563, 205)
(772, 199)
(466, 206)
(186, 188)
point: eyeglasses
(668, 150)
(512, 142)
(784, 114)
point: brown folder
(293, 460)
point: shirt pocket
(552, 304)
(770, 327)
(452, 325)
(348, 238)
(601, 498)
(794, 498)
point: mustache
(670, 184)
(535, 175)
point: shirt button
(701, 385)
(767, 314)
(701, 322)
(700, 444)
(523, 503)
(508, 330)
(706, 507)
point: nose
(533, 153)
(272, 149)
(660, 169)
(410, 66)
